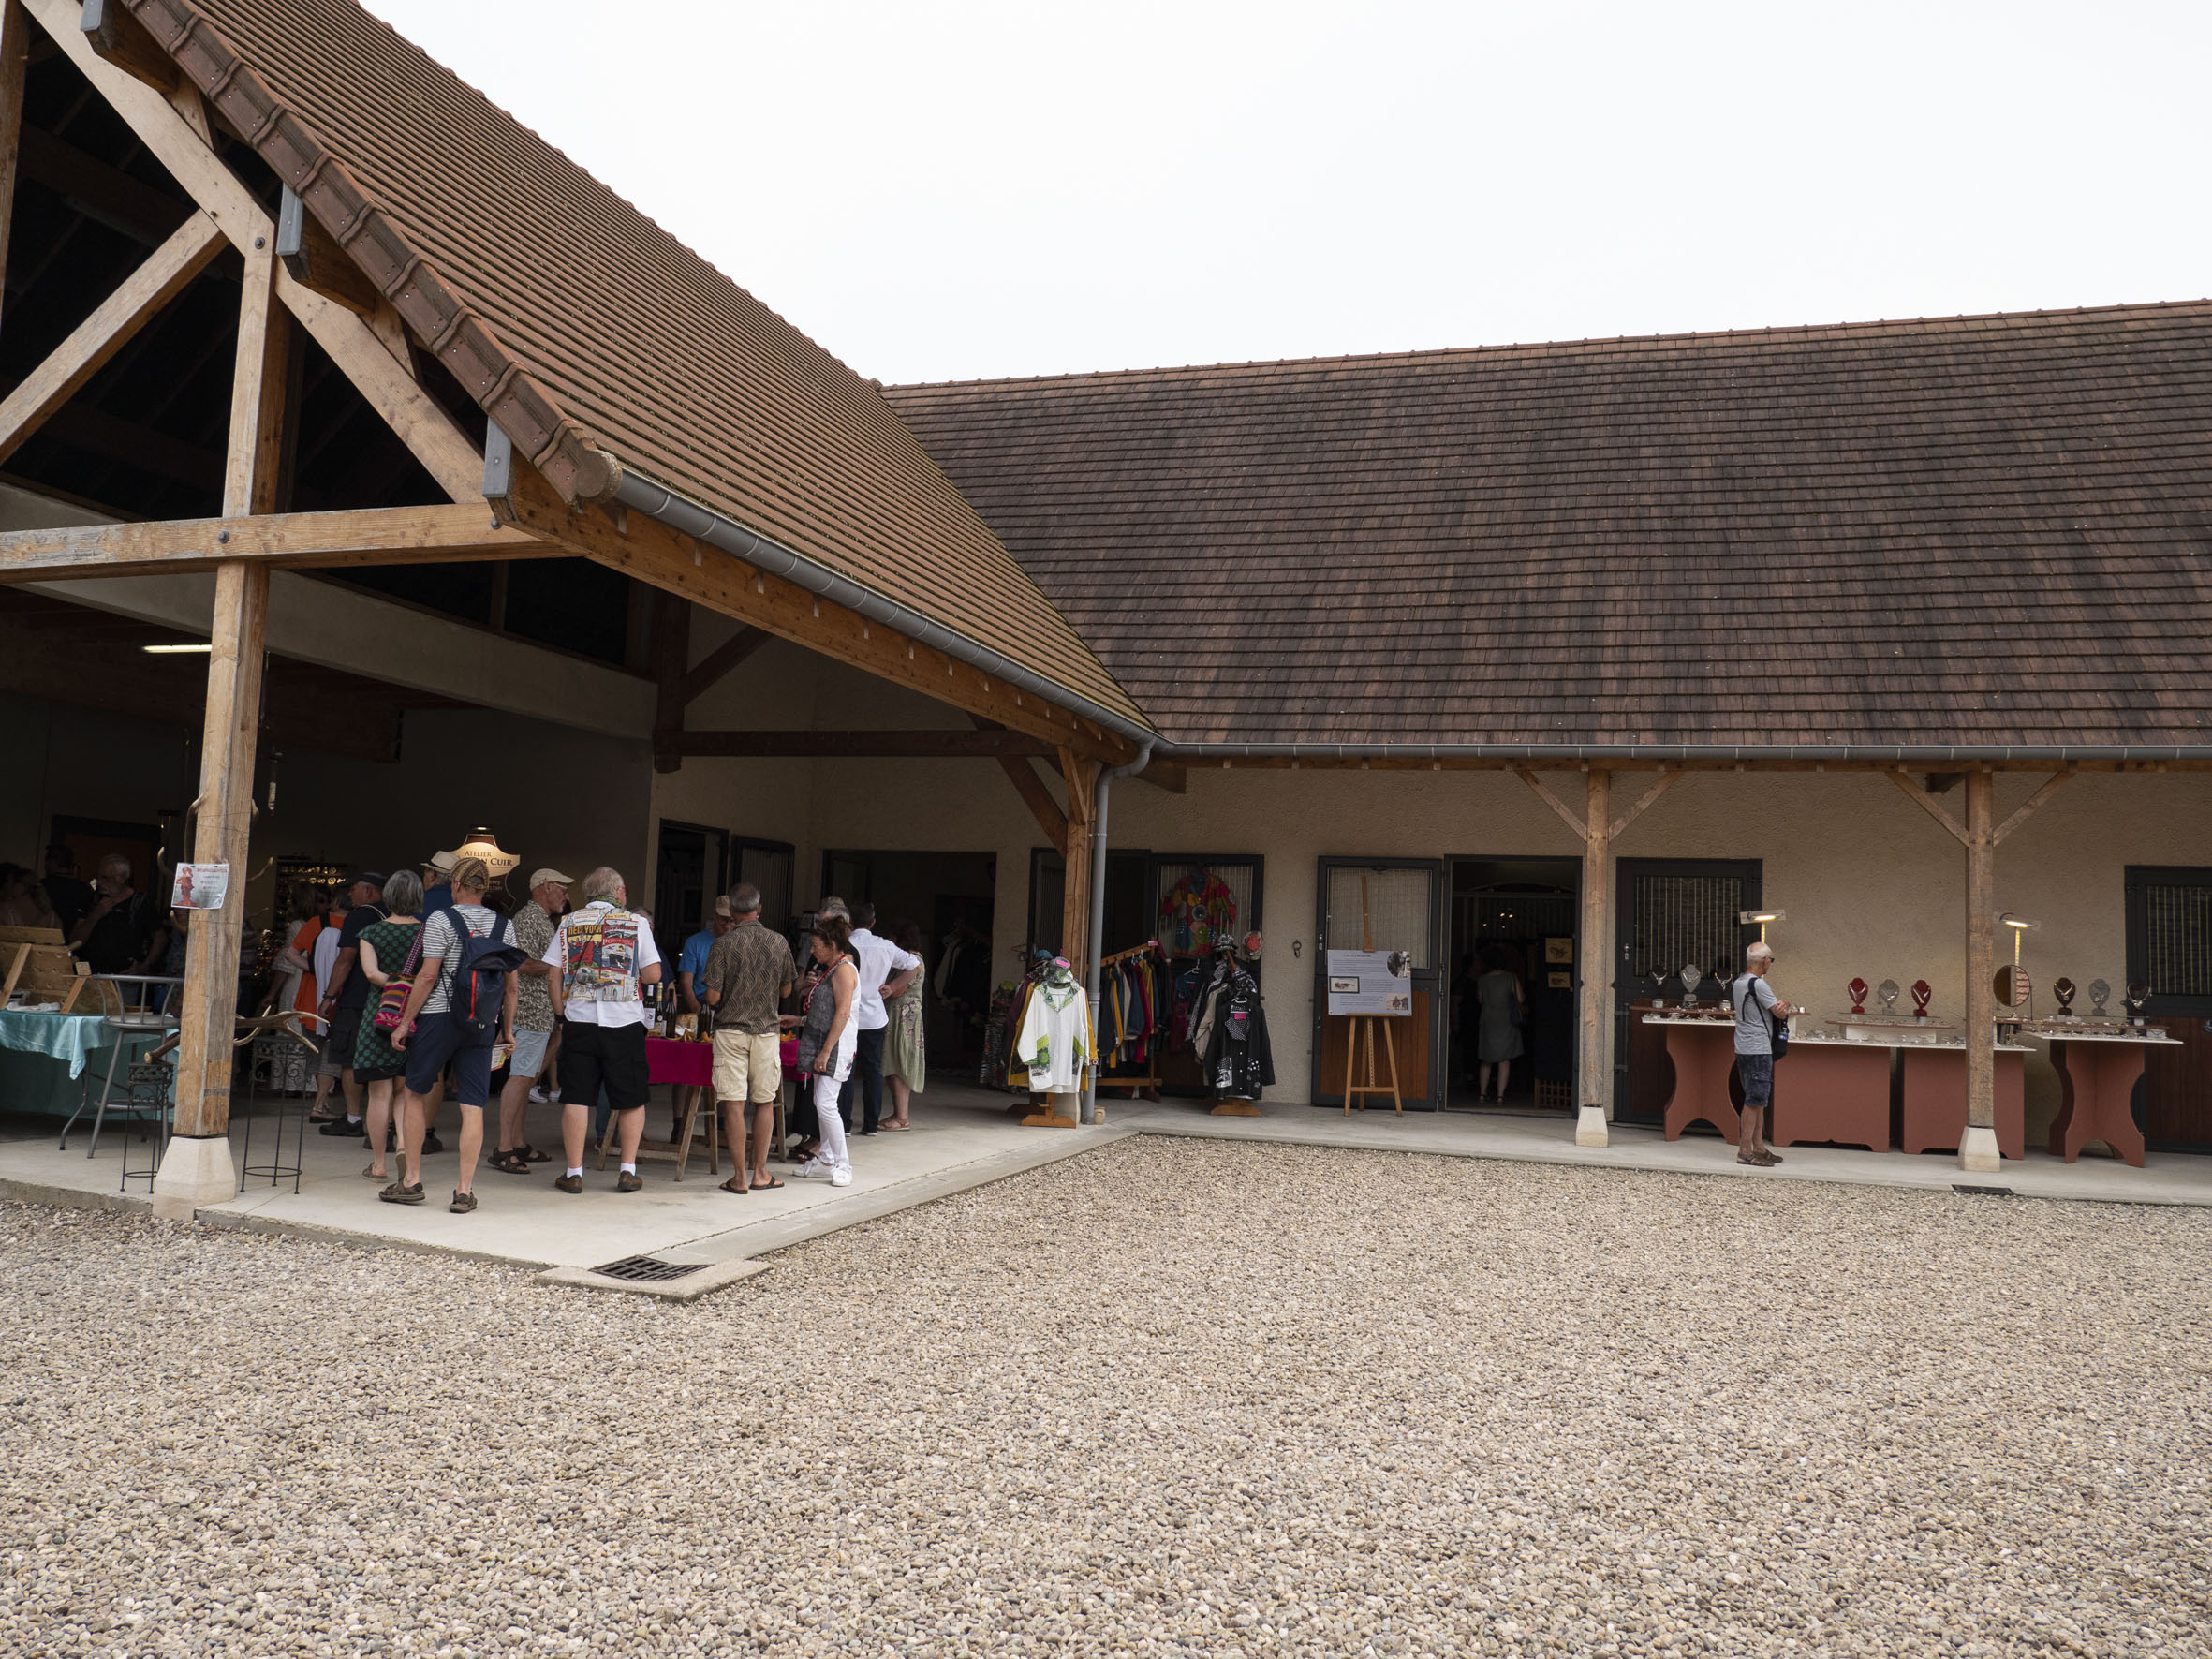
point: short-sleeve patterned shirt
(748, 965)
(532, 1004)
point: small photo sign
(200, 887)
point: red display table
(687, 1065)
(1936, 1098)
(1704, 1052)
(2098, 1074)
(1829, 1089)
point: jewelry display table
(1834, 1088)
(2098, 1073)
(1936, 1097)
(1702, 1050)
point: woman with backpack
(387, 958)
(461, 1003)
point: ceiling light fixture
(175, 650)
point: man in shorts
(533, 926)
(431, 1033)
(1754, 1000)
(602, 957)
(748, 975)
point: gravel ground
(1170, 1397)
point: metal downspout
(1089, 1112)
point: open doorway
(1516, 917)
(949, 898)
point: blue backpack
(479, 974)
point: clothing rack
(1147, 1086)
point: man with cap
(692, 964)
(533, 926)
(437, 888)
(346, 995)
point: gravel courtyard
(1169, 1397)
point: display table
(1832, 1088)
(682, 1065)
(689, 1068)
(1936, 1097)
(2097, 1074)
(42, 1057)
(1703, 1053)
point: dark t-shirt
(354, 993)
(72, 899)
(118, 939)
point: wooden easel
(1362, 1026)
(1363, 1030)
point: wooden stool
(1363, 1026)
(678, 1150)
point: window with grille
(1682, 919)
(1382, 909)
(2170, 936)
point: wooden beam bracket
(1571, 818)
(1928, 803)
(2056, 781)
(1666, 781)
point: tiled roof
(1980, 531)
(661, 358)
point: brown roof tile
(660, 357)
(1982, 530)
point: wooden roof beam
(671, 561)
(121, 39)
(903, 744)
(292, 541)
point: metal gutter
(703, 524)
(1625, 753)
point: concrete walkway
(963, 1136)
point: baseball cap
(722, 904)
(374, 878)
(538, 878)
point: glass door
(1672, 913)
(1383, 904)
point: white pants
(831, 1122)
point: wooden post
(15, 56)
(197, 1168)
(1595, 1064)
(1979, 1150)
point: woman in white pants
(829, 1040)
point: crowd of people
(415, 984)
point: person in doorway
(298, 989)
(533, 926)
(1756, 1004)
(125, 931)
(70, 897)
(602, 957)
(344, 996)
(906, 1044)
(693, 961)
(744, 980)
(885, 970)
(384, 948)
(1498, 1029)
(828, 1042)
(445, 1035)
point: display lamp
(1761, 918)
(2021, 991)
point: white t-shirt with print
(598, 952)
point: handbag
(393, 1002)
(1777, 1027)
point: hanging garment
(1055, 1041)
(1239, 1059)
(1196, 911)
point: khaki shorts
(749, 1067)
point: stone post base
(1590, 1127)
(196, 1170)
(1978, 1152)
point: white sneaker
(841, 1177)
(814, 1169)
(537, 1094)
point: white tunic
(1056, 1040)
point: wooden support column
(15, 56)
(197, 1168)
(1979, 1150)
(1594, 1065)
(1081, 775)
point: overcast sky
(947, 191)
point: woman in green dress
(385, 949)
(905, 1047)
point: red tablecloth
(687, 1064)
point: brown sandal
(731, 1186)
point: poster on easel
(1370, 982)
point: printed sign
(200, 887)
(1558, 950)
(1370, 982)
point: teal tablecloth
(44, 1056)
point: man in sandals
(748, 975)
(1754, 1001)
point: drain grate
(1982, 1191)
(649, 1269)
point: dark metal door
(1383, 904)
(1670, 912)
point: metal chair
(151, 1026)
